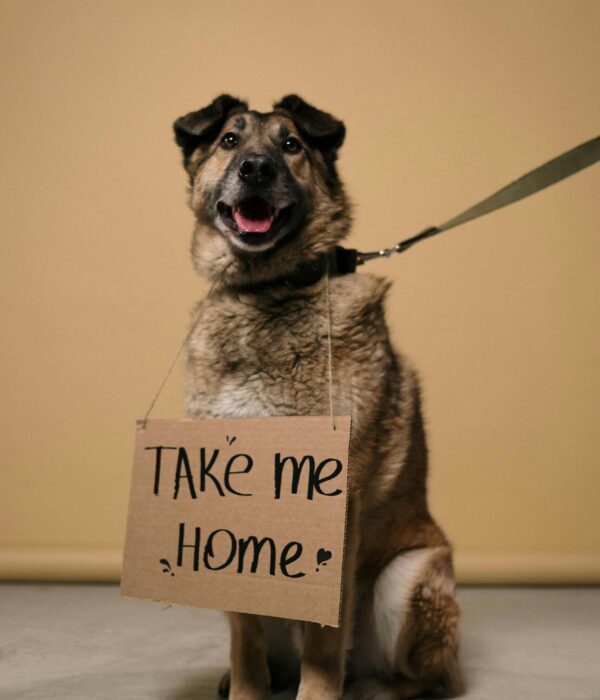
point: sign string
(174, 362)
(329, 353)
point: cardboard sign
(244, 515)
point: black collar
(340, 261)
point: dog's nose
(256, 169)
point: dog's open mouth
(254, 219)
(254, 215)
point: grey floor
(84, 642)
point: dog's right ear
(201, 127)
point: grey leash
(553, 171)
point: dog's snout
(256, 168)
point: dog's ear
(202, 126)
(320, 129)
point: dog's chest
(249, 360)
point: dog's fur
(259, 348)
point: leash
(346, 260)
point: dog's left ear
(202, 126)
(319, 128)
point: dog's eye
(291, 145)
(230, 140)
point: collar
(340, 261)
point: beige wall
(444, 102)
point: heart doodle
(323, 556)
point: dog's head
(263, 187)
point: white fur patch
(382, 621)
(235, 401)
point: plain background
(444, 103)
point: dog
(270, 212)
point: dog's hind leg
(407, 638)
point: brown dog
(270, 210)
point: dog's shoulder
(358, 296)
(365, 289)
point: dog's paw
(224, 690)
(224, 685)
(369, 689)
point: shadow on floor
(204, 687)
(201, 687)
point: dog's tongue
(253, 216)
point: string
(168, 374)
(329, 353)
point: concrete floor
(84, 642)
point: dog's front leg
(324, 654)
(249, 670)
(322, 674)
